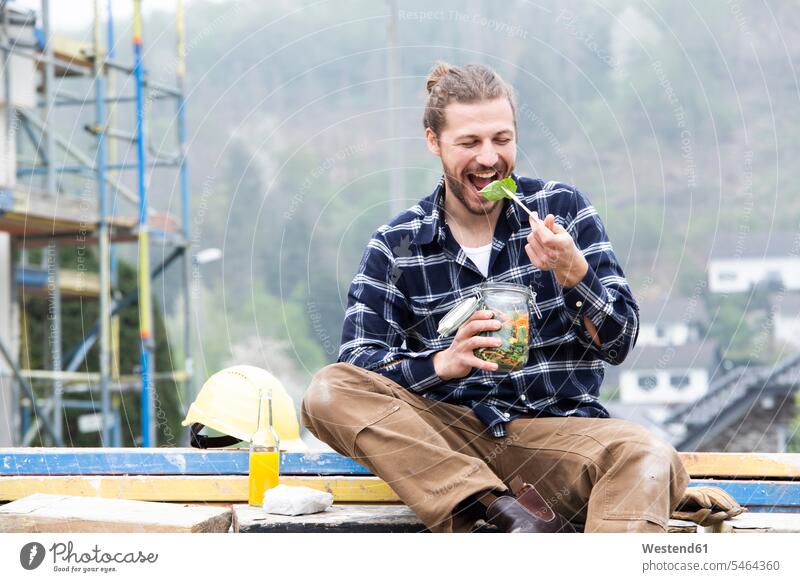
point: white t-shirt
(480, 256)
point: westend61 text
(675, 549)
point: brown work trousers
(604, 475)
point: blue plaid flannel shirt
(413, 271)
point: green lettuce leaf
(494, 190)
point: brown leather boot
(526, 512)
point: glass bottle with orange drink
(264, 453)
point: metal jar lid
(464, 309)
(460, 313)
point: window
(679, 381)
(727, 276)
(648, 382)
(660, 331)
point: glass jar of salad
(512, 304)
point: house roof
(729, 398)
(696, 355)
(755, 245)
(672, 308)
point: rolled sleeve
(419, 373)
(603, 295)
(589, 297)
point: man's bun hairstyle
(437, 72)
(468, 84)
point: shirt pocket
(425, 314)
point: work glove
(707, 506)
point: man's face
(477, 145)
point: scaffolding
(51, 217)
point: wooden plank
(68, 514)
(760, 523)
(339, 518)
(683, 526)
(218, 488)
(162, 461)
(355, 519)
(185, 461)
(30, 213)
(743, 465)
(72, 50)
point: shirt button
(579, 304)
(506, 415)
(523, 398)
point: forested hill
(678, 119)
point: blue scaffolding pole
(145, 307)
(105, 275)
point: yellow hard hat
(228, 403)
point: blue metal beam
(760, 496)
(39, 170)
(28, 276)
(157, 461)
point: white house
(667, 374)
(740, 261)
(670, 321)
(786, 319)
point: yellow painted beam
(742, 465)
(222, 488)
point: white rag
(296, 500)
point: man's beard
(461, 188)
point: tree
(77, 318)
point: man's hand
(551, 248)
(458, 360)
(707, 505)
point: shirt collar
(433, 224)
(432, 221)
